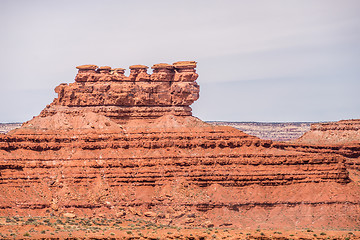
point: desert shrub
(129, 232)
(322, 233)
(59, 222)
(86, 222)
(26, 234)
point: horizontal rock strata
(94, 151)
(341, 132)
(170, 89)
(342, 137)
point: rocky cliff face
(341, 132)
(170, 89)
(342, 137)
(128, 146)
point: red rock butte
(170, 89)
(125, 146)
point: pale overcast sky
(258, 60)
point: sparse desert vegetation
(138, 228)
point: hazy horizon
(258, 60)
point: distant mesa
(341, 132)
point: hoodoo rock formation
(129, 146)
(169, 90)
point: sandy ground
(137, 228)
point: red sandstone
(129, 146)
